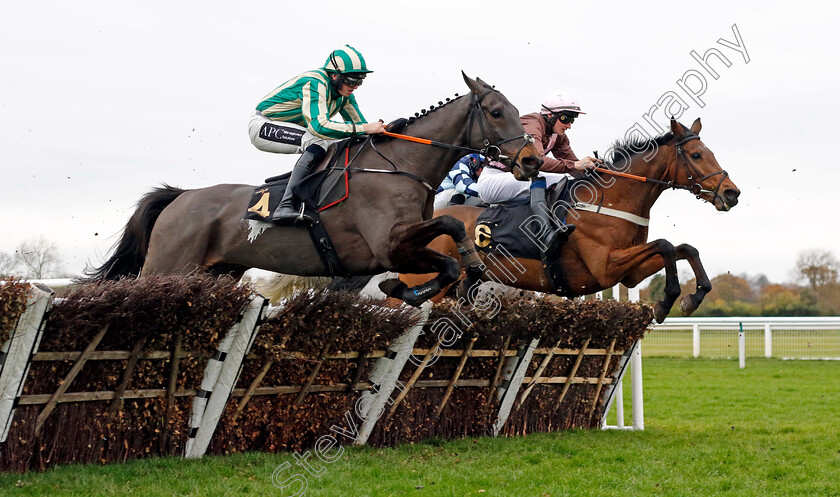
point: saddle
(327, 186)
(503, 229)
(324, 188)
(506, 223)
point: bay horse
(605, 249)
(384, 225)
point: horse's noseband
(696, 188)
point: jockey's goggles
(353, 79)
(567, 117)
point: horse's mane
(432, 108)
(623, 150)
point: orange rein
(406, 137)
(623, 175)
(432, 142)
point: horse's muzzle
(728, 199)
(527, 167)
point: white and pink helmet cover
(558, 101)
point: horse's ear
(473, 85)
(676, 128)
(695, 126)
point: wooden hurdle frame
(509, 382)
(614, 394)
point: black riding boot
(285, 212)
(554, 237)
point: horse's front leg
(690, 303)
(637, 263)
(408, 253)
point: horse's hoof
(659, 313)
(463, 290)
(393, 288)
(686, 306)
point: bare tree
(7, 265)
(37, 257)
(817, 267)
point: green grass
(711, 429)
(724, 343)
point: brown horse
(605, 249)
(384, 224)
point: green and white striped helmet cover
(346, 60)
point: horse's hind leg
(408, 253)
(177, 246)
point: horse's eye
(695, 155)
(496, 113)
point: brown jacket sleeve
(563, 152)
(564, 159)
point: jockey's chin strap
(695, 188)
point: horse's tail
(285, 286)
(350, 283)
(130, 252)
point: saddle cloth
(507, 225)
(319, 191)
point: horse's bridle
(491, 151)
(691, 171)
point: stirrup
(304, 217)
(285, 215)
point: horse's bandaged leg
(472, 264)
(413, 296)
(468, 253)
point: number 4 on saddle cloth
(317, 192)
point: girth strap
(597, 209)
(325, 248)
(559, 283)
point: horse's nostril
(532, 161)
(731, 196)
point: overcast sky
(101, 101)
